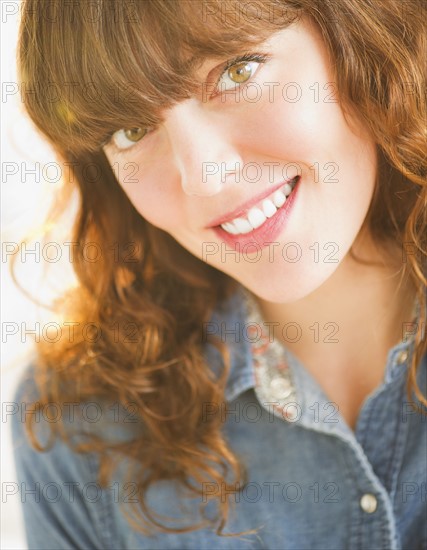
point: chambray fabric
(313, 482)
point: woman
(252, 175)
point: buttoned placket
(285, 387)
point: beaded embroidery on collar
(274, 385)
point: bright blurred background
(29, 182)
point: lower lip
(267, 232)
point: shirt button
(368, 503)
(280, 388)
(402, 356)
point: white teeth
(287, 188)
(279, 198)
(268, 208)
(230, 228)
(256, 217)
(242, 225)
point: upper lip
(243, 208)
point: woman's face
(269, 122)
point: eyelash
(257, 57)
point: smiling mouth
(257, 215)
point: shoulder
(93, 416)
(58, 486)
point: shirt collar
(236, 320)
(229, 323)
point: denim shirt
(313, 483)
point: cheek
(156, 203)
(305, 131)
(298, 118)
(335, 156)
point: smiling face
(269, 118)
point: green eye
(240, 73)
(236, 74)
(240, 70)
(127, 137)
(134, 134)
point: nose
(201, 147)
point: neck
(357, 313)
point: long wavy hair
(88, 68)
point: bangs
(91, 68)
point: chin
(286, 290)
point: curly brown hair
(151, 285)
